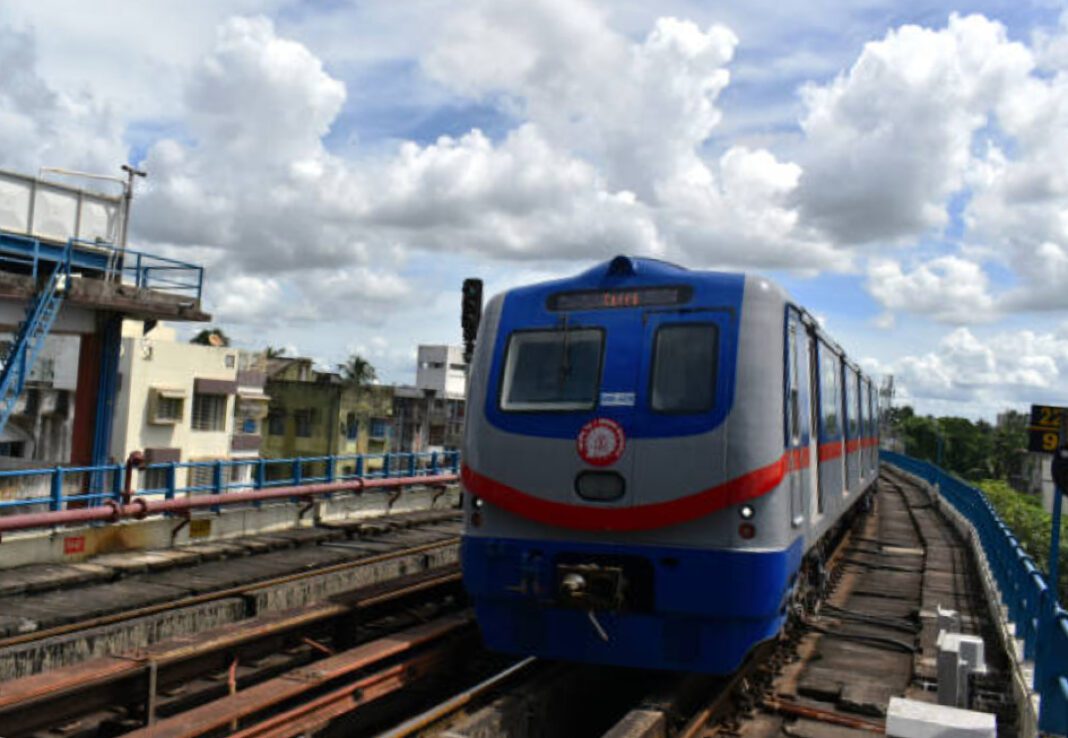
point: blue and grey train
(652, 459)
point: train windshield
(552, 370)
(684, 368)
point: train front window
(552, 370)
(684, 368)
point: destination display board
(621, 298)
(1043, 435)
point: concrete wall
(36, 547)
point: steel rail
(306, 682)
(220, 594)
(55, 696)
(138, 507)
(701, 720)
(458, 702)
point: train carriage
(651, 455)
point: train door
(851, 381)
(831, 435)
(815, 488)
(796, 414)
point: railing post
(331, 468)
(359, 465)
(386, 460)
(411, 464)
(117, 478)
(455, 462)
(171, 483)
(298, 472)
(260, 477)
(56, 503)
(217, 477)
(434, 463)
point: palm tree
(357, 371)
(274, 352)
(211, 337)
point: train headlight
(747, 512)
(599, 486)
(747, 531)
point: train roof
(622, 272)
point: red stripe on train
(642, 517)
(646, 517)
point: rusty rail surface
(421, 648)
(52, 697)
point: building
(443, 370)
(182, 402)
(430, 416)
(314, 413)
(39, 429)
(68, 280)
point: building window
(154, 479)
(303, 420)
(276, 423)
(202, 476)
(231, 361)
(379, 428)
(209, 412)
(166, 406)
(457, 367)
(352, 427)
(11, 448)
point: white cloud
(949, 289)
(889, 141)
(40, 126)
(982, 375)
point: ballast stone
(913, 719)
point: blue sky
(340, 167)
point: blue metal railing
(137, 268)
(63, 485)
(1040, 620)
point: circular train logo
(601, 442)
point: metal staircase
(22, 354)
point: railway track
(111, 695)
(415, 667)
(246, 590)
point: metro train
(653, 460)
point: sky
(340, 167)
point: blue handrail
(1040, 620)
(61, 485)
(130, 266)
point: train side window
(552, 370)
(852, 402)
(684, 368)
(830, 404)
(865, 401)
(873, 416)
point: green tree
(274, 352)
(1009, 446)
(357, 371)
(1031, 525)
(204, 337)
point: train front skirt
(683, 609)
